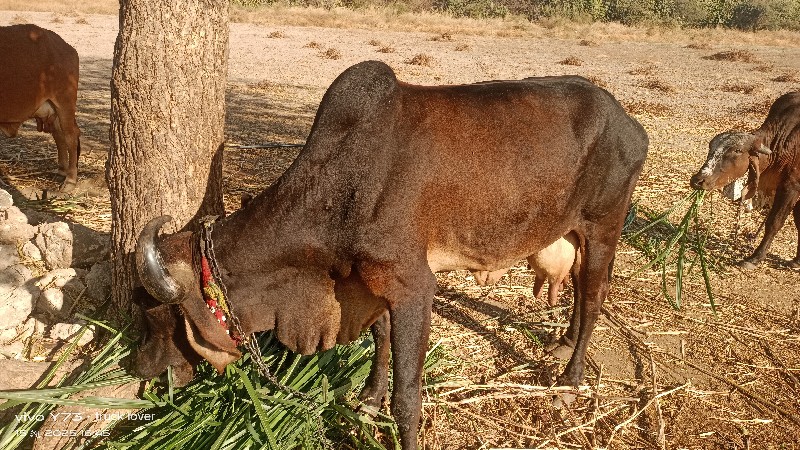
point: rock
(59, 278)
(8, 335)
(31, 251)
(5, 200)
(17, 304)
(26, 374)
(89, 246)
(55, 242)
(14, 227)
(13, 215)
(30, 327)
(61, 288)
(13, 350)
(12, 277)
(98, 281)
(9, 256)
(69, 331)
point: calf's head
(731, 155)
(179, 330)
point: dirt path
(713, 367)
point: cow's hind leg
(378, 380)
(795, 263)
(564, 347)
(593, 284)
(67, 137)
(785, 199)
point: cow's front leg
(410, 321)
(378, 380)
(593, 285)
(785, 199)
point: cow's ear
(207, 337)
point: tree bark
(167, 122)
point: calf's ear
(207, 337)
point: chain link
(249, 341)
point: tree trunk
(167, 120)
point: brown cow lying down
(770, 157)
(39, 80)
(552, 264)
(352, 233)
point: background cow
(770, 157)
(352, 233)
(39, 79)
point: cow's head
(731, 155)
(180, 330)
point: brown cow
(353, 232)
(39, 79)
(770, 157)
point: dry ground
(659, 378)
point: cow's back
(35, 65)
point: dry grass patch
(19, 19)
(375, 43)
(313, 44)
(657, 85)
(262, 85)
(642, 107)
(596, 80)
(744, 88)
(56, 19)
(331, 53)
(386, 49)
(276, 35)
(420, 59)
(444, 37)
(764, 68)
(571, 61)
(462, 47)
(699, 46)
(733, 55)
(587, 43)
(643, 70)
(788, 77)
(758, 108)
(82, 21)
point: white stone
(17, 305)
(5, 200)
(69, 331)
(54, 302)
(15, 233)
(13, 350)
(9, 256)
(31, 251)
(57, 278)
(55, 242)
(12, 277)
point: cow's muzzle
(701, 181)
(152, 273)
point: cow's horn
(152, 273)
(764, 150)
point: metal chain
(249, 341)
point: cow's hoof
(563, 399)
(67, 187)
(745, 265)
(562, 352)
